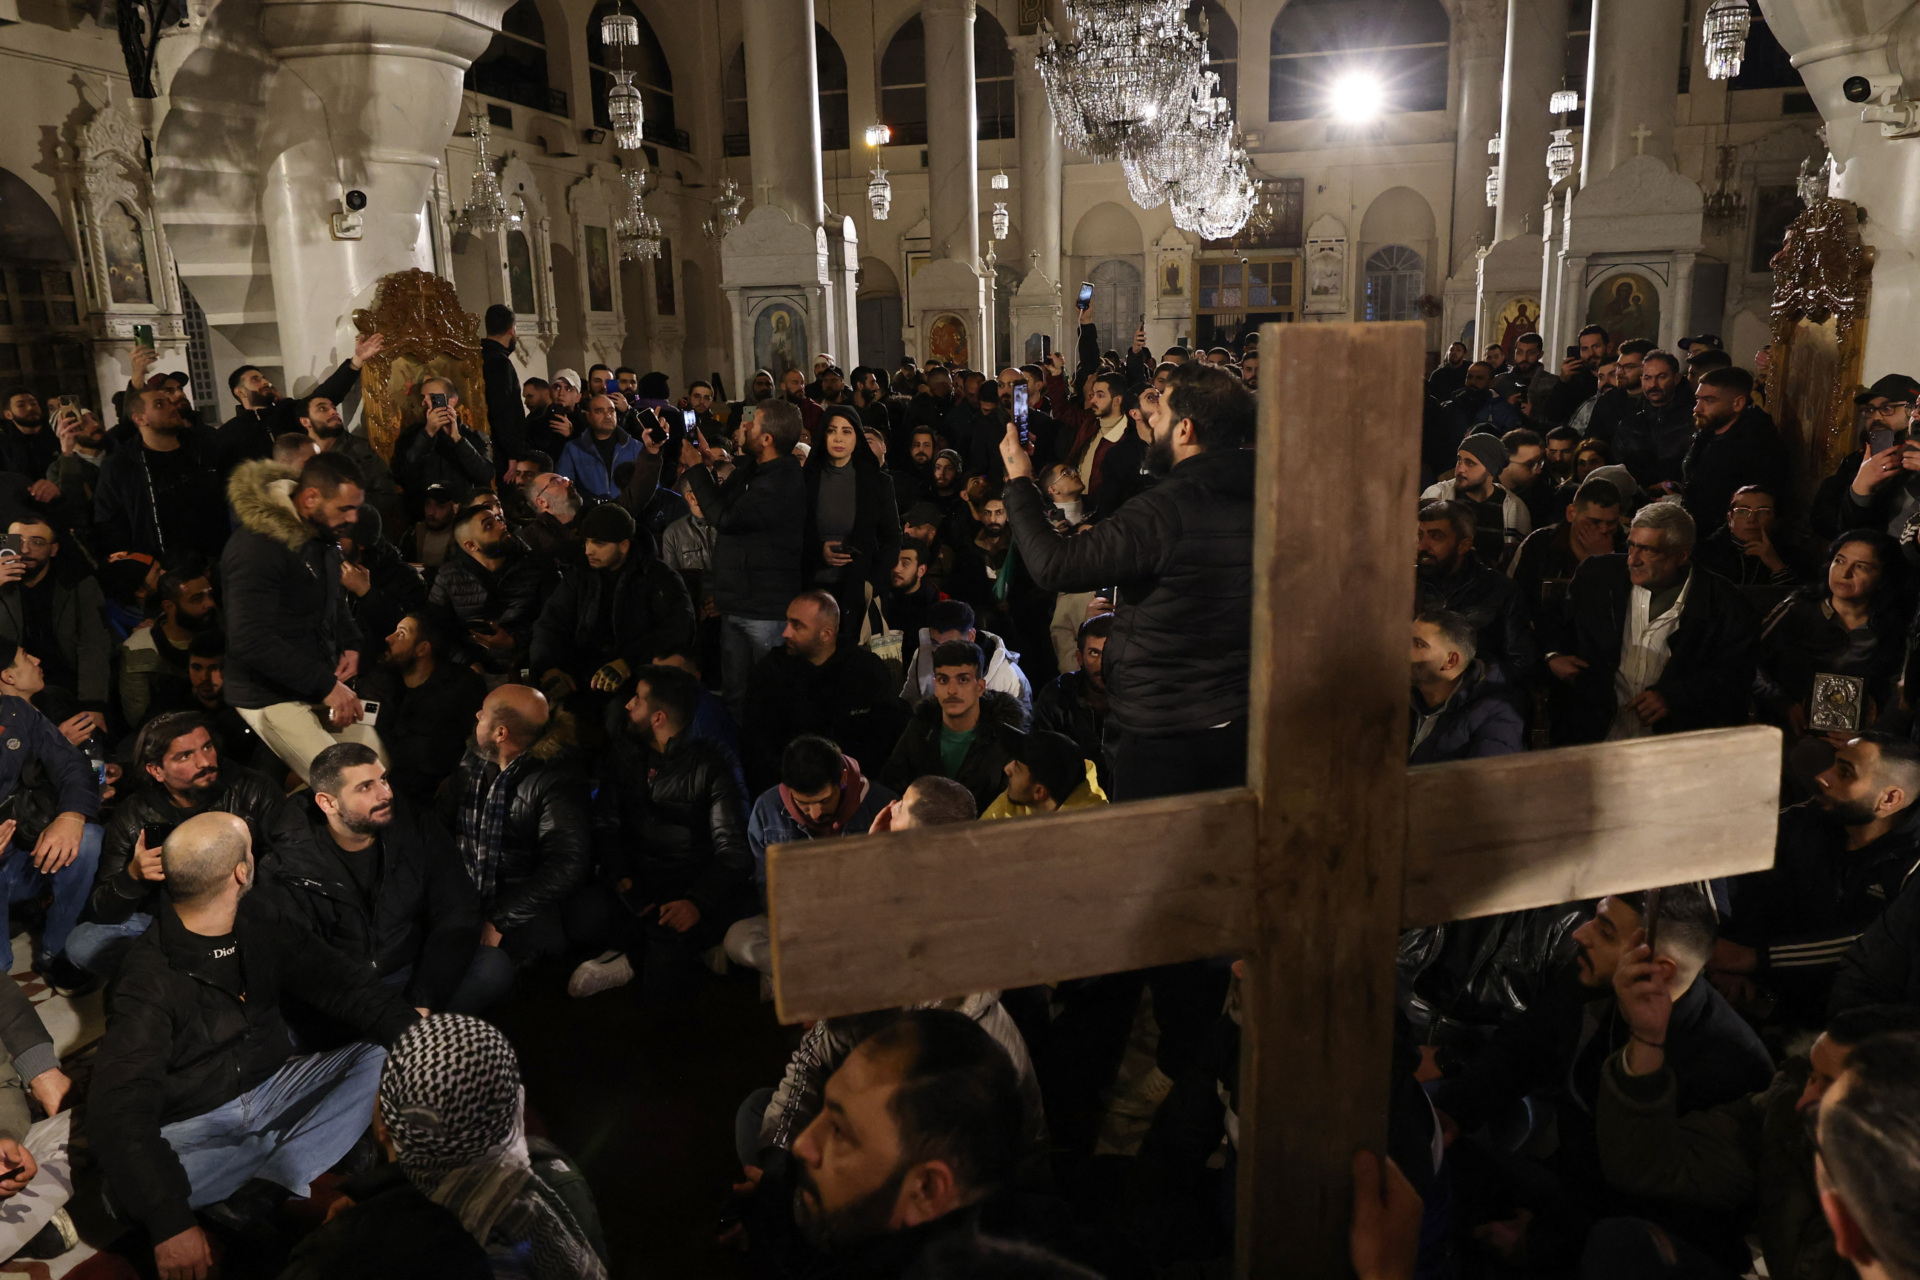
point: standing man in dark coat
(506, 409)
(1736, 444)
(264, 416)
(761, 515)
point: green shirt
(954, 748)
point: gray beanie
(1488, 449)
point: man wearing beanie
(1500, 517)
(610, 615)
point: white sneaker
(611, 970)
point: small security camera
(1856, 88)
(356, 200)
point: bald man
(199, 1102)
(518, 813)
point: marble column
(1479, 35)
(1536, 57)
(951, 283)
(1632, 83)
(783, 107)
(379, 94)
(1035, 308)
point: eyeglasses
(1752, 511)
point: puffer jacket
(1479, 719)
(1182, 555)
(426, 913)
(651, 608)
(1003, 673)
(1061, 706)
(176, 1045)
(676, 822)
(247, 795)
(546, 848)
(287, 616)
(512, 596)
(983, 772)
(79, 629)
(761, 516)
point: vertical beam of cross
(1333, 582)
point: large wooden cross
(1332, 848)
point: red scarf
(853, 794)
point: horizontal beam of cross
(875, 921)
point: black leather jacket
(247, 795)
(676, 822)
(545, 849)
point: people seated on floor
(962, 732)
(380, 881)
(1074, 703)
(1450, 577)
(1751, 548)
(51, 836)
(52, 605)
(1500, 519)
(201, 1109)
(672, 867)
(820, 682)
(1839, 860)
(517, 808)
(176, 772)
(1047, 773)
(1748, 1164)
(1546, 561)
(427, 698)
(1650, 644)
(495, 585)
(954, 620)
(822, 794)
(1554, 1054)
(1460, 708)
(153, 659)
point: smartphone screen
(143, 335)
(369, 713)
(1020, 406)
(11, 544)
(690, 417)
(1086, 293)
(438, 399)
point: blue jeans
(743, 642)
(288, 1129)
(20, 880)
(88, 938)
(488, 980)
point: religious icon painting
(126, 247)
(1626, 306)
(599, 270)
(780, 339)
(947, 341)
(1836, 704)
(1520, 315)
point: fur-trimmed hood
(262, 496)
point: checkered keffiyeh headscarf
(451, 1100)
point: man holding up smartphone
(1885, 488)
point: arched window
(40, 331)
(903, 84)
(903, 81)
(1223, 47)
(1401, 44)
(992, 78)
(1396, 277)
(514, 67)
(830, 68)
(652, 75)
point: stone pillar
(1035, 308)
(951, 285)
(1535, 60)
(783, 107)
(1633, 84)
(379, 95)
(1479, 34)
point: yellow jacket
(1085, 796)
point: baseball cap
(1706, 342)
(441, 493)
(569, 376)
(1894, 386)
(1053, 759)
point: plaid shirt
(483, 820)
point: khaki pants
(296, 733)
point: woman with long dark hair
(853, 526)
(1852, 622)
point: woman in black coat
(1851, 623)
(853, 526)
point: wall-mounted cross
(1640, 137)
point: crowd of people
(524, 704)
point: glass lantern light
(623, 111)
(1560, 154)
(1563, 101)
(1493, 186)
(1002, 223)
(880, 195)
(1725, 32)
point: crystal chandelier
(623, 111)
(486, 208)
(1725, 32)
(1001, 222)
(1493, 145)
(619, 30)
(1493, 186)
(999, 182)
(636, 230)
(1726, 207)
(880, 194)
(878, 135)
(1124, 78)
(1560, 154)
(726, 207)
(1563, 101)
(1194, 164)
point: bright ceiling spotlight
(1356, 97)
